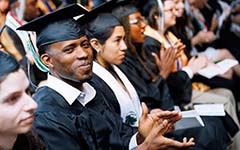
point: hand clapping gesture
(153, 126)
(165, 61)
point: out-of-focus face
(137, 27)
(169, 13)
(114, 49)
(16, 106)
(236, 14)
(70, 60)
(31, 11)
(179, 7)
(197, 4)
(4, 6)
(90, 4)
(191, 4)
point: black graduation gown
(61, 126)
(213, 136)
(154, 94)
(179, 84)
(229, 40)
(121, 133)
(206, 138)
(106, 91)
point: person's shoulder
(50, 101)
(98, 83)
(149, 41)
(45, 92)
(95, 81)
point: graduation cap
(7, 64)
(101, 17)
(57, 26)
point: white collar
(69, 92)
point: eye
(85, 44)
(12, 99)
(118, 40)
(68, 50)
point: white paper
(220, 68)
(227, 64)
(190, 119)
(210, 71)
(210, 109)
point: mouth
(85, 66)
(142, 33)
(122, 56)
(28, 120)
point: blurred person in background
(4, 8)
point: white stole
(129, 104)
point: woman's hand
(197, 63)
(165, 61)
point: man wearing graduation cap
(71, 114)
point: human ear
(96, 45)
(46, 59)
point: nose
(143, 24)
(82, 52)
(123, 46)
(30, 104)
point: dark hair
(101, 26)
(43, 49)
(28, 141)
(8, 64)
(100, 35)
(154, 11)
(150, 10)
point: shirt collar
(69, 92)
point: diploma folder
(218, 69)
(190, 119)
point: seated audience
(71, 113)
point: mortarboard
(7, 64)
(57, 26)
(101, 17)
